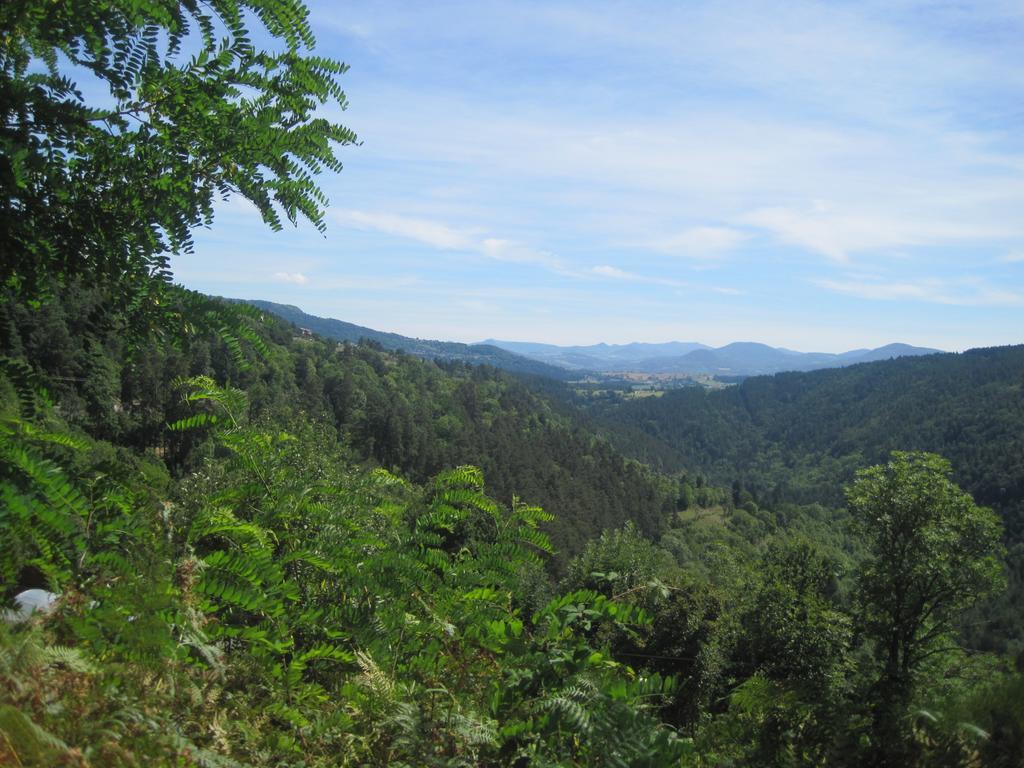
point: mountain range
(557, 362)
(742, 358)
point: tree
(791, 629)
(792, 653)
(108, 190)
(932, 554)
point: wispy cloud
(839, 233)
(614, 273)
(966, 293)
(444, 237)
(914, 182)
(511, 251)
(430, 233)
(699, 242)
(1013, 258)
(295, 278)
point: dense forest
(254, 547)
(223, 522)
(404, 414)
(800, 437)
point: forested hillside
(408, 415)
(800, 437)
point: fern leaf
(32, 744)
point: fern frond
(326, 651)
(29, 387)
(570, 712)
(374, 678)
(474, 730)
(310, 558)
(461, 477)
(205, 758)
(193, 422)
(222, 522)
(70, 658)
(32, 744)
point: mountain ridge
(739, 358)
(743, 358)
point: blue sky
(821, 176)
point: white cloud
(699, 242)
(445, 237)
(838, 233)
(966, 293)
(902, 184)
(429, 232)
(1013, 258)
(508, 250)
(614, 273)
(478, 306)
(296, 278)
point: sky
(816, 175)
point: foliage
(798, 438)
(195, 111)
(361, 616)
(933, 554)
(793, 649)
(381, 619)
(410, 417)
(384, 618)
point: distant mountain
(890, 351)
(597, 356)
(737, 359)
(476, 354)
(563, 363)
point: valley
(676, 513)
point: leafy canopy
(933, 551)
(194, 110)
